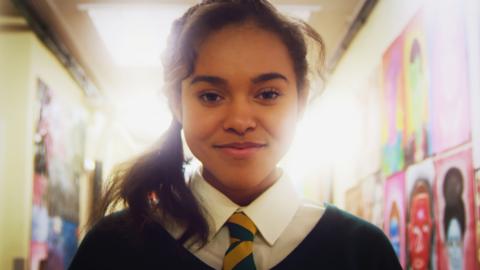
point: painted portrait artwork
(58, 166)
(455, 217)
(393, 122)
(394, 214)
(420, 216)
(417, 91)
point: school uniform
(292, 233)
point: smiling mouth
(240, 145)
(240, 150)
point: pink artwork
(394, 214)
(455, 217)
(420, 216)
(416, 74)
(393, 121)
(450, 101)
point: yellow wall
(23, 59)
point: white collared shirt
(282, 218)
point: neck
(242, 196)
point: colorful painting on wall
(420, 216)
(477, 213)
(394, 214)
(416, 75)
(393, 122)
(455, 218)
(58, 166)
(450, 102)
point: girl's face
(239, 108)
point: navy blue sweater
(338, 241)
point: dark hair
(454, 206)
(159, 173)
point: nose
(240, 118)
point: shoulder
(118, 241)
(360, 242)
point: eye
(268, 94)
(210, 97)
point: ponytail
(154, 189)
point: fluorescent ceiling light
(134, 35)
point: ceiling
(74, 27)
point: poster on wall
(394, 214)
(473, 37)
(416, 76)
(420, 218)
(372, 199)
(455, 218)
(477, 213)
(393, 107)
(450, 102)
(58, 165)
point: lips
(240, 150)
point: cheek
(197, 123)
(281, 125)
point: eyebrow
(208, 79)
(215, 80)
(268, 77)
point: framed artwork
(454, 212)
(58, 165)
(417, 96)
(477, 213)
(394, 214)
(420, 216)
(393, 104)
(450, 100)
(372, 188)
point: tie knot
(241, 227)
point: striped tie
(240, 253)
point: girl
(236, 79)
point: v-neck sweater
(338, 241)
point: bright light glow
(88, 164)
(327, 136)
(302, 12)
(145, 116)
(135, 35)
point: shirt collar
(271, 212)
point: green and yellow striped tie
(240, 253)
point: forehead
(243, 50)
